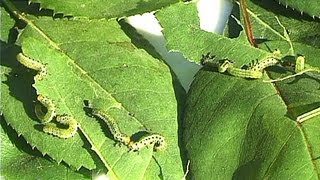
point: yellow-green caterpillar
(33, 64)
(113, 127)
(254, 71)
(70, 131)
(227, 65)
(45, 116)
(261, 65)
(271, 60)
(155, 140)
(50, 113)
(245, 73)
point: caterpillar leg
(308, 115)
(70, 131)
(155, 140)
(33, 64)
(48, 104)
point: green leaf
(311, 7)
(6, 24)
(20, 161)
(302, 29)
(85, 62)
(103, 9)
(236, 128)
(182, 35)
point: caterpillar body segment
(113, 127)
(70, 131)
(151, 140)
(300, 64)
(32, 64)
(122, 138)
(268, 61)
(155, 140)
(244, 73)
(261, 65)
(45, 117)
(227, 65)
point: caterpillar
(261, 65)
(245, 73)
(155, 140)
(272, 60)
(228, 66)
(300, 64)
(51, 128)
(112, 125)
(45, 116)
(32, 64)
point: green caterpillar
(244, 73)
(113, 127)
(155, 140)
(33, 64)
(227, 65)
(271, 60)
(254, 71)
(69, 132)
(45, 116)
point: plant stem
(247, 23)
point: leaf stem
(247, 23)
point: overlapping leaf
(239, 128)
(186, 37)
(89, 59)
